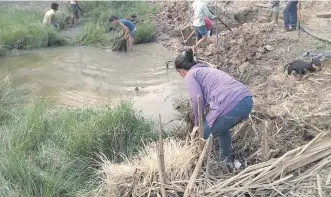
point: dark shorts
(75, 10)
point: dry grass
(140, 174)
(282, 176)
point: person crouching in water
(209, 28)
(129, 29)
(229, 100)
(49, 16)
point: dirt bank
(255, 52)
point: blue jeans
(290, 14)
(223, 124)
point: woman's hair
(54, 6)
(112, 18)
(185, 60)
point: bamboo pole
(200, 116)
(299, 18)
(216, 30)
(161, 159)
(319, 185)
(264, 142)
(210, 147)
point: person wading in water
(129, 29)
(229, 101)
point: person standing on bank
(290, 15)
(209, 28)
(74, 6)
(200, 11)
(129, 29)
(229, 101)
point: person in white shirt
(200, 11)
(74, 6)
(49, 15)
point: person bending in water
(209, 28)
(49, 16)
(129, 29)
(229, 100)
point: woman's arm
(194, 89)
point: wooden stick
(323, 15)
(210, 147)
(299, 18)
(216, 29)
(188, 189)
(161, 160)
(264, 141)
(319, 186)
(200, 115)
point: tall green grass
(98, 14)
(24, 30)
(48, 151)
(145, 33)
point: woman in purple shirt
(229, 101)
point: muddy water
(84, 76)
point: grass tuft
(145, 33)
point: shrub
(145, 33)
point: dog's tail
(285, 67)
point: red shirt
(208, 23)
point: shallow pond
(86, 76)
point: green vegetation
(53, 152)
(98, 14)
(24, 30)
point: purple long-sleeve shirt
(216, 88)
